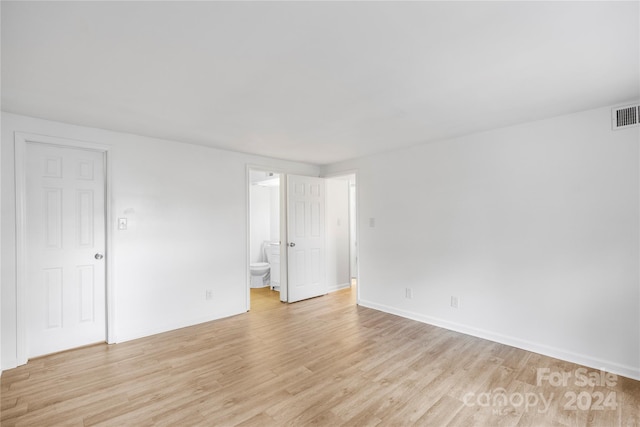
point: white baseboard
(133, 335)
(168, 327)
(340, 286)
(6, 365)
(558, 353)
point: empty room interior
(320, 213)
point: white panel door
(306, 237)
(65, 242)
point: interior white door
(306, 237)
(65, 243)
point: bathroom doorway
(265, 230)
(267, 241)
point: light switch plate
(122, 223)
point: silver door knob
(291, 245)
(98, 256)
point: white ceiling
(315, 82)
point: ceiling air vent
(623, 117)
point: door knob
(98, 256)
(291, 245)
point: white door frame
(283, 230)
(21, 140)
(353, 172)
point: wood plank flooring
(323, 361)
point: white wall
(274, 218)
(337, 232)
(260, 221)
(535, 228)
(265, 217)
(187, 211)
(1, 365)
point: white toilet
(259, 274)
(260, 271)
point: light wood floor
(323, 361)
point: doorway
(62, 241)
(317, 236)
(265, 221)
(342, 231)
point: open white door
(306, 237)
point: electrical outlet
(208, 294)
(454, 302)
(408, 293)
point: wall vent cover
(626, 116)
